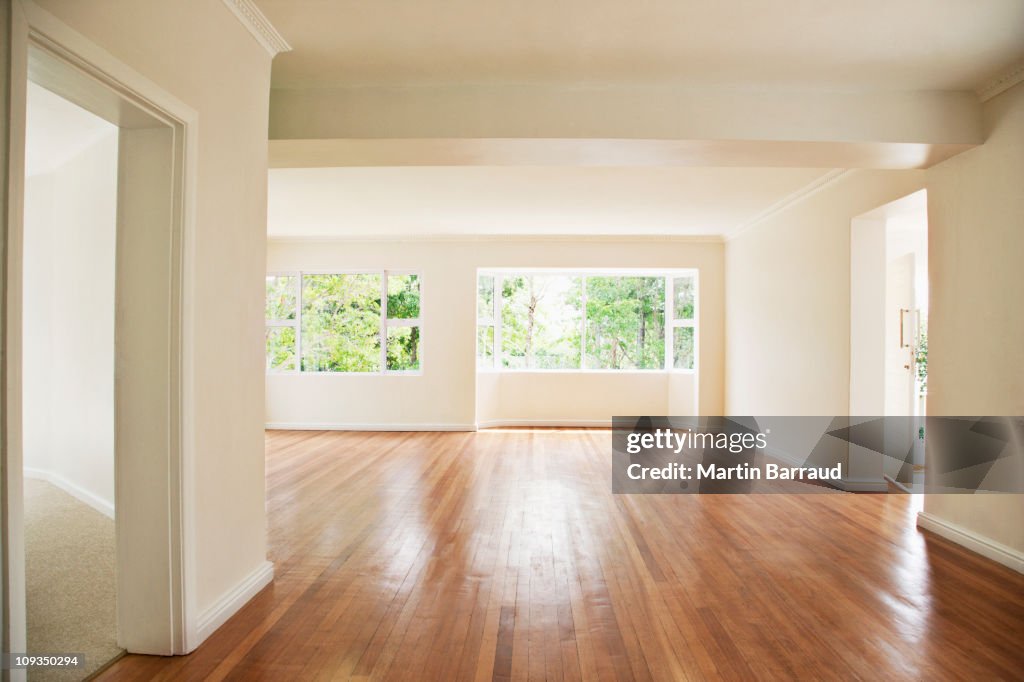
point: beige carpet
(69, 575)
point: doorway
(889, 331)
(70, 221)
(140, 378)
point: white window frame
(671, 323)
(295, 324)
(491, 321)
(385, 323)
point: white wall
(68, 358)
(584, 399)
(867, 316)
(787, 280)
(976, 323)
(788, 299)
(199, 52)
(445, 395)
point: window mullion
(583, 324)
(496, 305)
(298, 324)
(670, 318)
(402, 322)
(384, 321)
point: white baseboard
(563, 423)
(986, 547)
(232, 602)
(861, 485)
(850, 485)
(334, 426)
(902, 486)
(101, 505)
(783, 456)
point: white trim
(616, 372)
(1001, 83)
(232, 601)
(497, 340)
(136, 96)
(585, 238)
(591, 271)
(670, 322)
(49, 32)
(850, 485)
(338, 426)
(105, 507)
(783, 456)
(382, 333)
(565, 423)
(805, 192)
(860, 485)
(259, 26)
(893, 482)
(976, 542)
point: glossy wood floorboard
(503, 555)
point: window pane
(485, 345)
(485, 297)
(403, 348)
(280, 349)
(281, 303)
(341, 323)
(683, 288)
(403, 297)
(541, 321)
(625, 322)
(683, 347)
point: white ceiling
(814, 44)
(57, 130)
(523, 200)
(810, 45)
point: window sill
(488, 370)
(417, 373)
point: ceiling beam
(335, 153)
(618, 125)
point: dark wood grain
(504, 555)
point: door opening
(889, 330)
(96, 320)
(70, 221)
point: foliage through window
(544, 320)
(343, 322)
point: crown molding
(1001, 83)
(796, 197)
(259, 26)
(612, 238)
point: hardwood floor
(504, 555)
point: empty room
(677, 340)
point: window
(549, 320)
(540, 321)
(402, 305)
(683, 294)
(625, 323)
(282, 311)
(365, 322)
(485, 316)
